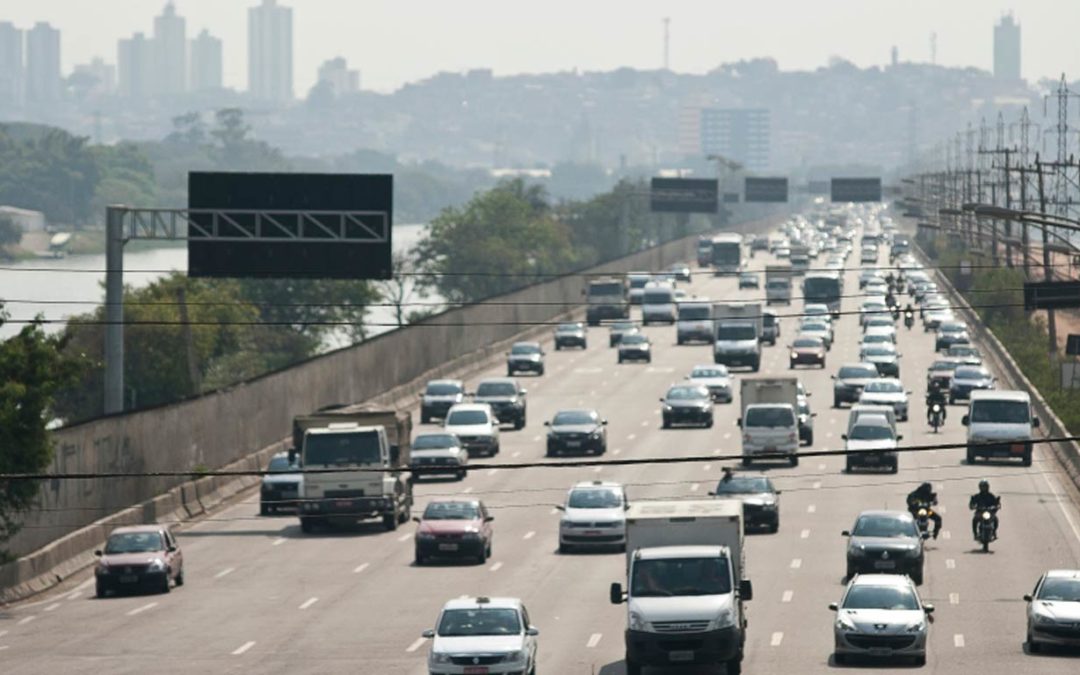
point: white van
(1000, 424)
(658, 304)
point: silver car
(881, 615)
(1053, 611)
(594, 515)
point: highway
(262, 597)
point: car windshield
(594, 498)
(880, 597)
(884, 387)
(134, 542)
(467, 417)
(638, 281)
(524, 349)
(878, 351)
(962, 350)
(944, 365)
(451, 511)
(769, 417)
(568, 328)
(496, 389)
(814, 327)
(968, 373)
(694, 313)
(872, 338)
(680, 576)
(434, 442)
(1002, 412)
(884, 526)
(717, 371)
(856, 372)
(442, 389)
(342, 448)
(574, 417)
(1060, 590)
(748, 277)
(952, 328)
(871, 432)
(686, 393)
(736, 332)
(281, 465)
(634, 340)
(743, 485)
(480, 621)
(812, 342)
(623, 325)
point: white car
(594, 515)
(819, 329)
(489, 635)
(934, 318)
(880, 326)
(716, 378)
(1053, 611)
(881, 615)
(876, 339)
(887, 391)
(873, 308)
(817, 311)
(872, 433)
(476, 427)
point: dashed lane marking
(958, 640)
(820, 467)
(492, 472)
(416, 645)
(811, 509)
(243, 648)
(278, 542)
(3, 633)
(496, 567)
(360, 568)
(597, 469)
(945, 534)
(954, 598)
(786, 597)
(225, 572)
(805, 534)
(828, 434)
(695, 487)
(588, 371)
(530, 534)
(796, 563)
(1061, 505)
(631, 437)
(594, 640)
(727, 435)
(467, 490)
(26, 620)
(404, 538)
(777, 638)
(52, 607)
(817, 484)
(644, 423)
(516, 454)
(706, 467)
(616, 451)
(950, 564)
(140, 610)
(536, 438)
(717, 451)
(941, 508)
(75, 595)
(308, 603)
(554, 511)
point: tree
(400, 290)
(51, 171)
(310, 308)
(33, 368)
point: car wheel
(746, 461)
(794, 460)
(519, 423)
(1026, 461)
(564, 548)
(584, 345)
(165, 588)
(970, 456)
(895, 466)
(920, 660)
(424, 417)
(557, 346)
(420, 560)
(620, 359)
(633, 667)
(461, 474)
(839, 659)
(180, 577)
(648, 359)
(791, 365)
(1033, 647)
(917, 577)
(709, 423)
(810, 438)
(835, 402)
(509, 373)
(666, 423)
(100, 590)
(775, 527)
(264, 509)
(495, 451)
(541, 371)
(848, 466)
(390, 521)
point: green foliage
(33, 369)
(306, 305)
(53, 172)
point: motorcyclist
(909, 315)
(984, 499)
(935, 393)
(924, 494)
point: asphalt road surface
(262, 597)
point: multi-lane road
(262, 597)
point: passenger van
(658, 304)
(1000, 425)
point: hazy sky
(397, 41)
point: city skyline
(403, 50)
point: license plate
(681, 656)
(343, 503)
(288, 494)
(871, 459)
(449, 547)
(884, 565)
(1018, 448)
(592, 533)
(769, 449)
(476, 670)
(573, 444)
(129, 579)
(880, 651)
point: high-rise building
(337, 75)
(739, 134)
(270, 52)
(135, 67)
(43, 81)
(206, 62)
(1007, 48)
(170, 52)
(12, 70)
(100, 76)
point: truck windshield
(659, 297)
(486, 621)
(1001, 412)
(680, 576)
(606, 288)
(694, 313)
(726, 254)
(639, 281)
(342, 448)
(769, 417)
(736, 332)
(778, 284)
(821, 288)
(435, 442)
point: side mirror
(738, 422)
(532, 631)
(560, 507)
(746, 590)
(661, 400)
(429, 634)
(603, 422)
(524, 391)
(813, 414)
(1035, 422)
(845, 533)
(98, 553)
(965, 420)
(616, 594)
(712, 493)
(547, 423)
(899, 438)
(779, 492)
(925, 535)
(834, 606)
(928, 608)
(415, 519)
(1027, 597)
(843, 437)
(172, 549)
(292, 455)
(488, 519)
(832, 377)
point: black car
(885, 542)
(438, 397)
(680, 271)
(760, 498)
(687, 404)
(506, 398)
(884, 358)
(951, 333)
(848, 383)
(525, 357)
(620, 329)
(967, 379)
(576, 431)
(635, 347)
(570, 335)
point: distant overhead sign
(1051, 295)
(684, 195)
(281, 225)
(856, 189)
(766, 189)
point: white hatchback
(482, 635)
(881, 615)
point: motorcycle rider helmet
(984, 485)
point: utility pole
(1048, 275)
(194, 375)
(1025, 152)
(114, 311)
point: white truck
(739, 330)
(686, 583)
(332, 444)
(727, 253)
(800, 258)
(694, 322)
(778, 284)
(770, 419)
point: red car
(454, 528)
(806, 350)
(139, 557)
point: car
(881, 615)
(965, 354)
(850, 380)
(935, 317)
(635, 347)
(817, 328)
(281, 485)
(967, 379)
(782, 252)
(594, 515)
(525, 357)
(876, 337)
(139, 557)
(681, 271)
(876, 287)
(637, 281)
(749, 280)
(887, 542)
(873, 308)
(716, 378)
(438, 453)
(887, 391)
(476, 427)
(760, 498)
(867, 275)
(659, 304)
(806, 350)
(806, 421)
(941, 370)
(759, 243)
(454, 528)
(1053, 611)
(870, 434)
(817, 311)
(951, 333)
(770, 327)
(570, 335)
(687, 404)
(884, 357)
(878, 325)
(581, 431)
(494, 632)
(506, 398)
(438, 397)
(619, 329)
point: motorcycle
(923, 512)
(895, 312)
(984, 530)
(909, 320)
(937, 416)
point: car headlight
(425, 535)
(1042, 618)
(636, 622)
(917, 627)
(856, 551)
(439, 657)
(471, 536)
(156, 565)
(794, 355)
(667, 408)
(515, 656)
(769, 506)
(102, 568)
(724, 620)
(566, 523)
(843, 623)
(913, 552)
(595, 435)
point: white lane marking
(644, 423)
(654, 369)
(52, 607)
(308, 603)
(727, 435)
(404, 538)
(278, 542)
(587, 371)
(592, 394)
(805, 534)
(3, 647)
(85, 584)
(631, 437)
(225, 572)
(537, 438)
(941, 508)
(828, 434)
(616, 451)
(3, 633)
(496, 567)
(1061, 505)
(140, 610)
(954, 598)
(945, 534)
(243, 648)
(811, 509)
(467, 490)
(360, 568)
(950, 564)
(24, 621)
(492, 472)
(597, 469)
(530, 534)
(717, 451)
(787, 596)
(516, 454)
(958, 640)
(777, 638)
(416, 645)
(706, 467)
(817, 484)
(554, 511)
(75, 595)
(832, 420)
(695, 487)
(796, 563)
(820, 467)
(594, 640)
